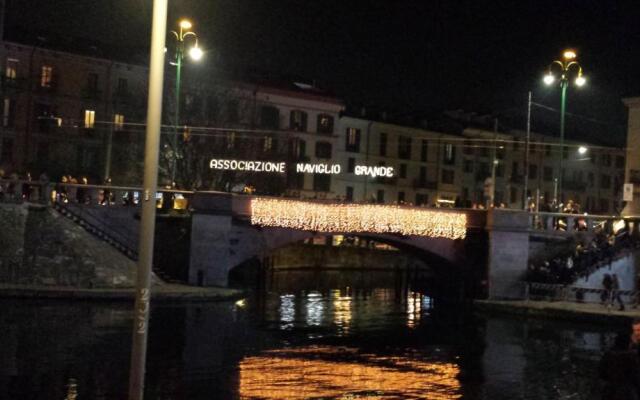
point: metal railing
(553, 222)
(43, 192)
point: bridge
(486, 251)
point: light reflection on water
(339, 372)
(341, 339)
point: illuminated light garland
(365, 218)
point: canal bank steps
(162, 293)
(586, 312)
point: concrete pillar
(632, 166)
(211, 224)
(508, 253)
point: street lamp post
(566, 64)
(196, 54)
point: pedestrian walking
(605, 295)
(615, 288)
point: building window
(122, 88)
(89, 119)
(118, 122)
(321, 182)
(515, 169)
(619, 162)
(380, 196)
(606, 160)
(448, 176)
(467, 148)
(467, 166)
(267, 144)
(269, 117)
(323, 150)
(46, 76)
(11, 69)
(7, 150)
(404, 147)
(423, 176)
(383, 144)
(590, 179)
(449, 153)
(353, 140)
(349, 193)
(325, 124)
(513, 196)
(547, 174)
(403, 171)
(44, 115)
(298, 121)
(351, 165)
(231, 140)
(424, 150)
(605, 182)
(92, 82)
(233, 114)
(421, 199)
(533, 171)
(42, 152)
(8, 111)
(483, 171)
(401, 197)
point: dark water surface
(316, 335)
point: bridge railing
(553, 222)
(576, 294)
(18, 191)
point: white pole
(150, 185)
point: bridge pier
(508, 252)
(211, 224)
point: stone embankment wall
(38, 246)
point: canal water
(309, 335)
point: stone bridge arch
(223, 238)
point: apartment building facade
(64, 113)
(447, 169)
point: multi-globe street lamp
(563, 67)
(195, 53)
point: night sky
(407, 56)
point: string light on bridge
(364, 218)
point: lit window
(449, 153)
(89, 119)
(325, 123)
(353, 140)
(46, 76)
(118, 122)
(7, 113)
(268, 143)
(11, 71)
